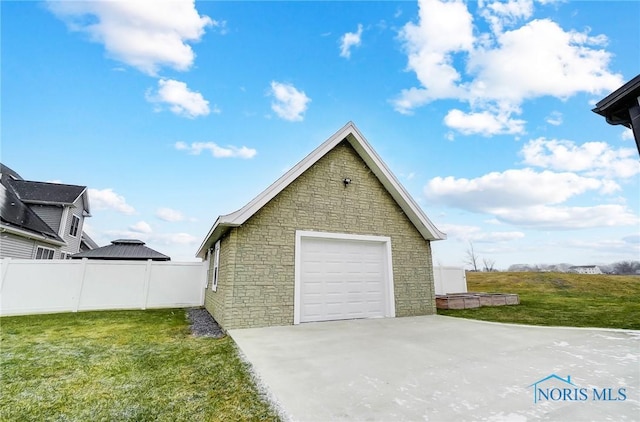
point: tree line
(488, 265)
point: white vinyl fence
(46, 286)
(450, 280)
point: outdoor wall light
(346, 181)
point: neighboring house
(585, 269)
(336, 237)
(123, 249)
(41, 220)
(622, 107)
(87, 243)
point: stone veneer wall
(256, 284)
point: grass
(559, 299)
(122, 365)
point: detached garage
(336, 237)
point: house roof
(47, 193)
(6, 172)
(88, 241)
(16, 216)
(352, 135)
(17, 193)
(124, 249)
(615, 106)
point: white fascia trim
(85, 202)
(351, 133)
(30, 235)
(243, 214)
(63, 221)
(390, 305)
(427, 229)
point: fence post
(5, 266)
(83, 270)
(147, 281)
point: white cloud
(475, 234)
(503, 68)
(613, 247)
(168, 214)
(593, 158)
(443, 28)
(144, 34)
(217, 151)
(349, 40)
(179, 238)
(484, 123)
(141, 227)
(108, 199)
(627, 134)
(539, 59)
(555, 118)
(289, 103)
(533, 199)
(180, 99)
(563, 218)
(158, 238)
(500, 14)
(512, 189)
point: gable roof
(48, 193)
(19, 218)
(615, 106)
(16, 194)
(126, 249)
(352, 135)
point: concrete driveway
(438, 368)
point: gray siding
(73, 243)
(50, 214)
(18, 247)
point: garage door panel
(342, 279)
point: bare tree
(471, 257)
(626, 267)
(489, 264)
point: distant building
(40, 220)
(585, 269)
(123, 249)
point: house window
(65, 255)
(44, 253)
(216, 261)
(75, 223)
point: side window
(216, 262)
(75, 223)
(44, 253)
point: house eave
(351, 134)
(626, 93)
(30, 235)
(219, 228)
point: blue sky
(175, 113)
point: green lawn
(121, 366)
(560, 299)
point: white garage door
(342, 279)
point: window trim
(74, 226)
(50, 251)
(216, 264)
